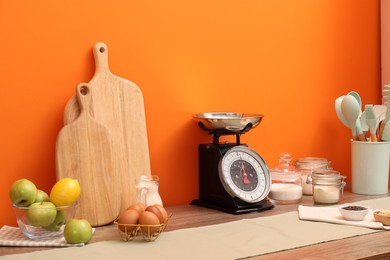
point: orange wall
(286, 59)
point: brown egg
(129, 216)
(156, 212)
(149, 218)
(162, 210)
(140, 207)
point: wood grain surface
(84, 152)
(118, 105)
(371, 246)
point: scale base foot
(256, 207)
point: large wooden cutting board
(118, 105)
(84, 152)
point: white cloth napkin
(333, 215)
(12, 236)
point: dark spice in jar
(354, 208)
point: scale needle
(244, 174)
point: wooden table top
(371, 246)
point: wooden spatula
(84, 152)
(118, 104)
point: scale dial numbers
(244, 174)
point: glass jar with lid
(328, 185)
(147, 190)
(306, 166)
(286, 187)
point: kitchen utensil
(379, 112)
(386, 132)
(84, 152)
(339, 113)
(118, 104)
(363, 122)
(356, 95)
(351, 111)
(232, 177)
(234, 122)
(379, 130)
(372, 121)
(386, 90)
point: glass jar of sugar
(306, 166)
(328, 185)
(286, 187)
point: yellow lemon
(65, 192)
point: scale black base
(212, 194)
(238, 209)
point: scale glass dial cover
(244, 174)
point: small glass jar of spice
(327, 185)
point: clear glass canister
(286, 187)
(306, 166)
(328, 186)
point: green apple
(23, 192)
(78, 231)
(57, 223)
(41, 214)
(41, 196)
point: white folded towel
(333, 215)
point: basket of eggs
(138, 219)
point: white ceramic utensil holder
(370, 167)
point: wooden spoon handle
(379, 130)
(361, 137)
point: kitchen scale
(232, 177)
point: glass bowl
(25, 217)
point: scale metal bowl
(228, 121)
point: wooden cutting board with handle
(118, 105)
(84, 152)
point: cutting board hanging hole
(84, 90)
(102, 49)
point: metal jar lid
(312, 163)
(326, 177)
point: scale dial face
(244, 174)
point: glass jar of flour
(328, 186)
(286, 187)
(306, 166)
